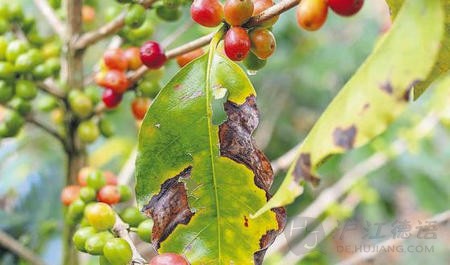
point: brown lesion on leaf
(237, 143)
(387, 87)
(345, 138)
(178, 86)
(169, 207)
(245, 221)
(303, 170)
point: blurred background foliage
(306, 72)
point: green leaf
(373, 98)
(442, 64)
(200, 193)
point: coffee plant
(202, 190)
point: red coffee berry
(237, 12)
(168, 258)
(111, 99)
(109, 194)
(133, 57)
(263, 42)
(115, 59)
(116, 80)
(312, 14)
(186, 58)
(69, 194)
(139, 107)
(261, 5)
(345, 7)
(236, 43)
(152, 55)
(208, 13)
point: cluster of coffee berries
(312, 14)
(254, 45)
(25, 58)
(89, 207)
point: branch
(439, 219)
(49, 86)
(47, 129)
(104, 31)
(121, 230)
(17, 248)
(51, 17)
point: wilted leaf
(199, 181)
(373, 98)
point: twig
(49, 86)
(17, 248)
(359, 258)
(31, 119)
(121, 230)
(96, 35)
(271, 12)
(51, 16)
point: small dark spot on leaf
(345, 138)
(387, 87)
(302, 170)
(178, 86)
(245, 221)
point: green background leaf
(373, 97)
(178, 132)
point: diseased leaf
(442, 64)
(373, 98)
(200, 181)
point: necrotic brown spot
(303, 170)
(387, 87)
(345, 138)
(169, 207)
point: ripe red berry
(115, 59)
(237, 12)
(69, 194)
(111, 98)
(152, 55)
(261, 5)
(133, 57)
(111, 178)
(263, 42)
(116, 80)
(139, 107)
(186, 58)
(345, 7)
(208, 13)
(236, 43)
(312, 14)
(109, 194)
(168, 258)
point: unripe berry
(88, 131)
(253, 63)
(135, 16)
(208, 13)
(118, 251)
(100, 216)
(111, 99)
(236, 43)
(345, 7)
(132, 55)
(312, 14)
(237, 12)
(152, 55)
(263, 42)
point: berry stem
(121, 230)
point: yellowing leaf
(374, 97)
